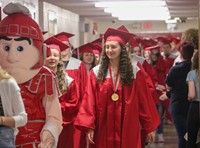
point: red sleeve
(87, 113)
(150, 70)
(148, 113)
(69, 103)
(150, 83)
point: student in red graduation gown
(86, 55)
(76, 69)
(69, 91)
(159, 65)
(115, 108)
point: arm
(149, 117)
(19, 117)
(53, 126)
(191, 90)
(87, 113)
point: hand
(160, 87)
(190, 99)
(47, 140)
(90, 136)
(151, 137)
(163, 97)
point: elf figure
(22, 55)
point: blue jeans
(7, 137)
(160, 110)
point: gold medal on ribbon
(115, 97)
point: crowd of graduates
(100, 115)
(114, 92)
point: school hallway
(170, 137)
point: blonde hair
(4, 74)
(191, 35)
(61, 76)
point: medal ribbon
(116, 81)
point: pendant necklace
(115, 84)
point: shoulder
(136, 68)
(95, 70)
(45, 70)
(138, 58)
(72, 59)
(69, 79)
(74, 63)
(10, 84)
(192, 73)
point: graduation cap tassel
(78, 54)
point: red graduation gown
(76, 69)
(69, 107)
(116, 124)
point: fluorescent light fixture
(171, 21)
(138, 3)
(146, 18)
(137, 10)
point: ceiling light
(171, 21)
(131, 3)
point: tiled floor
(170, 139)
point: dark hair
(195, 61)
(187, 50)
(125, 66)
(93, 62)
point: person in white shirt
(12, 111)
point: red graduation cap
(148, 42)
(150, 48)
(117, 35)
(175, 40)
(54, 43)
(133, 42)
(123, 28)
(84, 48)
(165, 41)
(44, 32)
(97, 49)
(97, 42)
(63, 36)
(96, 52)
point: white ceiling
(185, 9)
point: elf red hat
(63, 36)
(117, 35)
(54, 43)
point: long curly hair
(191, 35)
(125, 66)
(61, 77)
